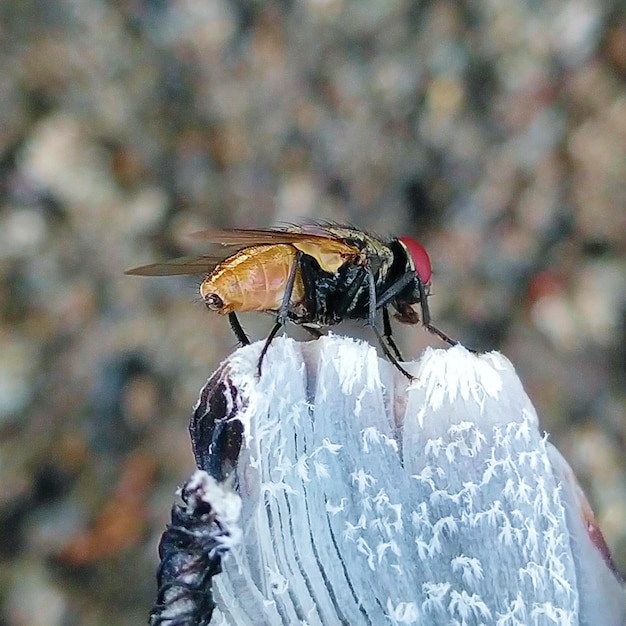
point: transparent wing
(180, 266)
(316, 240)
(242, 237)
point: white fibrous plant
(371, 500)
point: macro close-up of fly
(313, 312)
(314, 276)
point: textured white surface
(365, 502)
(225, 505)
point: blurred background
(493, 132)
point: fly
(314, 276)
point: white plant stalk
(369, 500)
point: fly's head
(417, 259)
(418, 272)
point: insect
(314, 276)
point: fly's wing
(328, 248)
(176, 267)
(243, 237)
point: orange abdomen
(254, 279)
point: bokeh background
(494, 132)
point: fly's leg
(435, 331)
(390, 355)
(347, 298)
(240, 333)
(387, 334)
(307, 271)
(397, 287)
(373, 305)
(426, 316)
(372, 322)
(391, 292)
(283, 312)
(268, 341)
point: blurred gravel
(494, 132)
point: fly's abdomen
(254, 279)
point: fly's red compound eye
(420, 258)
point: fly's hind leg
(240, 333)
(283, 312)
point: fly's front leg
(283, 312)
(394, 289)
(426, 316)
(371, 321)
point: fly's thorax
(359, 239)
(347, 246)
